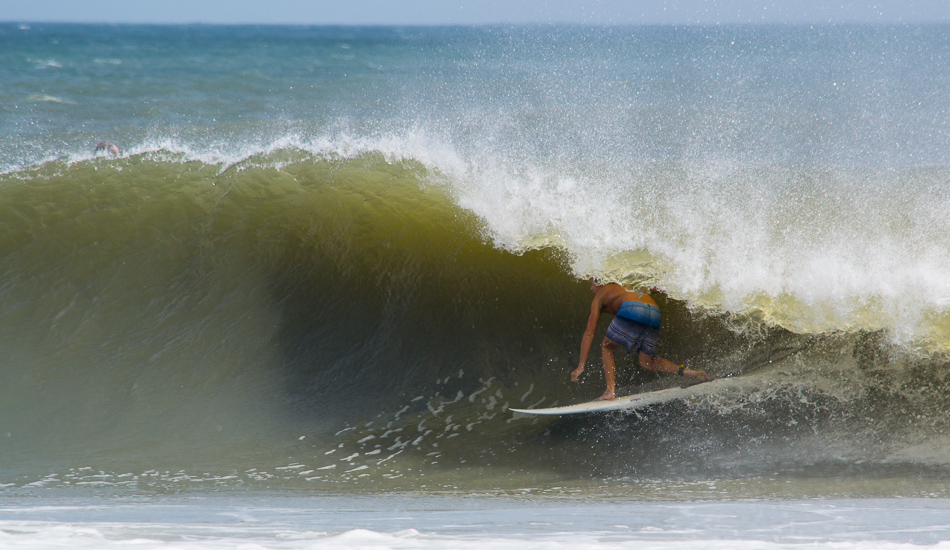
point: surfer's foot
(608, 395)
(697, 374)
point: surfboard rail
(627, 402)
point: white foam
(838, 253)
(393, 522)
(30, 535)
(44, 98)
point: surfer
(108, 147)
(636, 326)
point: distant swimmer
(636, 326)
(108, 147)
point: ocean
(296, 307)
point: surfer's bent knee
(609, 344)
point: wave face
(337, 256)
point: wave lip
(811, 251)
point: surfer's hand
(576, 374)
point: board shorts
(648, 314)
(633, 335)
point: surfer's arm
(588, 339)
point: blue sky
(432, 12)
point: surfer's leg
(662, 365)
(610, 368)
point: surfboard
(628, 402)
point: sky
(472, 12)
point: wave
(806, 248)
(367, 310)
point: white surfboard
(628, 402)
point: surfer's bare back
(636, 326)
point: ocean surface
(294, 310)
